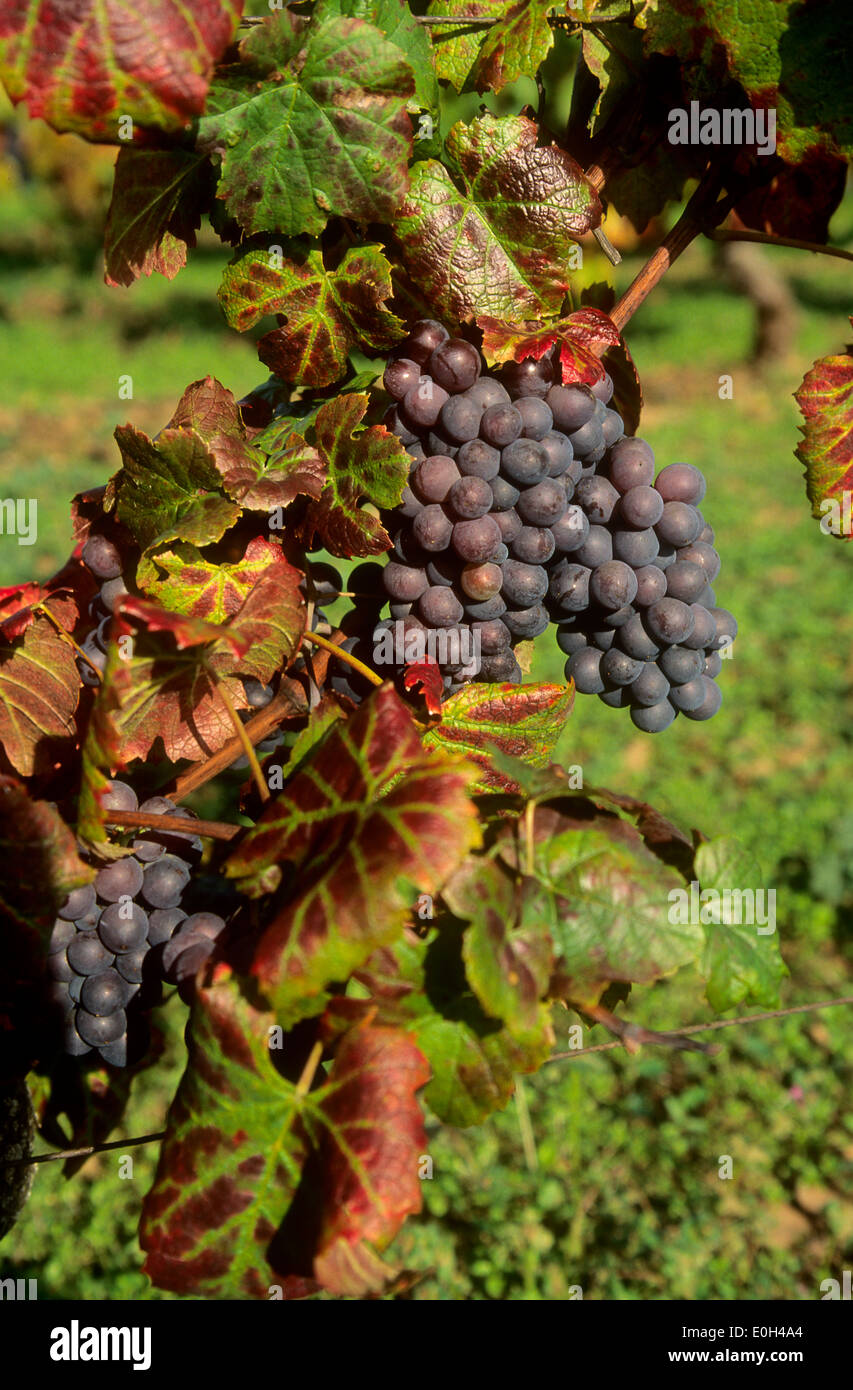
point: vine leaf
(154, 214)
(308, 1189)
(581, 337)
(489, 58)
(738, 962)
(370, 821)
(312, 124)
(35, 839)
(500, 246)
(169, 489)
(605, 899)
(426, 674)
(395, 20)
(18, 608)
(327, 312)
(82, 66)
(825, 399)
(358, 463)
(421, 986)
(507, 948)
(39, 690)
(524, 721)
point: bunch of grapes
(115, 939)
(527, 504)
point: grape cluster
(527, 504)
(115, 939)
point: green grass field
(625, 1199)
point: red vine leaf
(524, 721)
(327, 313)
(825, 399)
(16, 608)
(359, 463)
(82, 66)
(488, 58)
(581, 338)
(35, 839)
(39, 689)
(154, 214)
(428, 676)
(369, 821)
(259, 1184)
(500, 246)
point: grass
(626, 1201)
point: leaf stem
(248, 746)
(66, 636)
(344, 656)
(768, 239)
(303, 1085)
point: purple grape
(689, 695)
(455, 365)
(120, 932)
(613, 585)
(651, 585)
(460, 419)
(525, 462)
(598, 497)
(122, 878)
(476, 541)
(560, 454)
(487, 391)
(526, 623)
(433, 478)
(726, 628)
(584, 668)
(163, 883)
(500, 666)
(569, 587)
(162, 923)
(61, 934)
(570, 641)
(631, 464)
(612, 428)
(571, 406)
(588, 442)
(101, 557)
(421, 406)
(571, 531)
(534, 545)
(617, 668)
(87, 954)
(641, 507)
(543, 504)
(78, 903)
(494, 635)
(470, 497)
(634, 640)
(704, 555)
(596, 549)
(103, 994)
(400, 376)
(653, 719)
(523, 585)
(58, 967)
(679, 524)
(477, 459)
(119, 797)
(681, 482)
(501, 425)
(403, 583)
(669, 621)
(439, 607)
(432, 529)
(481, 582)
(509, 524)
(711, 702)
(424, 337)
(489, 608)
(111, 595)
(504, 494)
(713, 665)
(651, 686)
(680, 664)
(685, 581)
(636, 548)
(98, 1029)
(528, 378)
(536, 416)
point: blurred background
(606, 1177)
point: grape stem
(352, 661)
(303, 1085)
(248, 746)
(66, 636)
(767, 239)
(210, 829)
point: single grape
(455, 365)
(112, 593)
(669, 620)
(115, 1052)
(526, 623)
(523, 585)
(432, 528)
(460, 418)
(500, 666)
(584, 668)
(208, 924)
(103, 994)
(651, 585)
(493, 635)
(596, 549)
(603, 389)
(641, 507)
(688, 696)
(617, 668)
(424, 337)
(163, 882)
(653, 719)
(571, 406)
(713, 665)
(403, 584)
(257, 694)
(536, 416)
(619, 697)
(560, 454)
(481, 582)
(651, 686)
(725, 626)
(588, 442)
(534, 545)
(119, 796)
(501, 425)
(528, 378)
(162, 923)
(707, 598)
(681, 482)
(700, 553)
(706, 535)
(59, 967)
(72, 1043)
(569, 587)
(612, 428)
(602, 638)
(78, 903)
(470, 497)
(489, 608)
(487, 391)
(680, 664)
(476, 541)
(101, 557)
(400, 376)
(87, 954)
(685, 581)
(478, 459)
(121, 932)
(571, 530)
(613, 585)
(666, 556)
(711, 702)
(631, 464)
(422, 404)
(542, 504)
(679, 524)
(410, 505)
(98, 1029)
(509, 524)
(636, 548)
(123, 878)
(634, 640)
(504, 494)
(598, 497)
(525, 461)
(570, 641)
(439, 607)
(61, 934)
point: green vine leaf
(489, 58)
(313, 124)
(84, 66)
(367, 823)
(741, 960)
(39, 690)
(825, 399)
(169, 489)
(327, 313)
(500, 246)
(248, 1143)
(395, 20)
(154, 214)
(523, 721)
